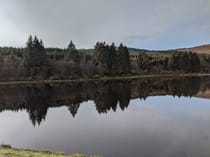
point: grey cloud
(85, 22)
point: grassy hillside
(204, 49)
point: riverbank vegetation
(8, 151)
(35, 62)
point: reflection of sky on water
(160, 126)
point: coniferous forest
(37, 62)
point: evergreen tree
(187, 62)
(195, 63)
(115, 60)
(107, 56)
(73, 108)
(123, 59)
(99, 54)
(1, 57)
(111, 59)
(29, 43)
(72, 53)
(35, 57)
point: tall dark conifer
(72, 53)
(35, 57)
(123, 60)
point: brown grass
(204, 49)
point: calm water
(148, 117)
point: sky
(148, 24)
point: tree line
(37, 62)
(105, 60)
(177, 62)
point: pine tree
(195, 63)
(36, 57)
(111, 59)
(73, 108)
(100, 54)
(72, 53)
(30, 43)
(123, 60)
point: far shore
(105, 78)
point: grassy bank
(126, 77)
(7, 151)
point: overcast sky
(151, 24)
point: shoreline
(8, 151)
(105, 78)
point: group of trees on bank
(178, 61)
(105, 60)
(36, 61)
(35, 58)
(188, 62)
(113, 60)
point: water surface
(149, 117)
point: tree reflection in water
(107, 95)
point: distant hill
(204, 49)
(133, 51)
